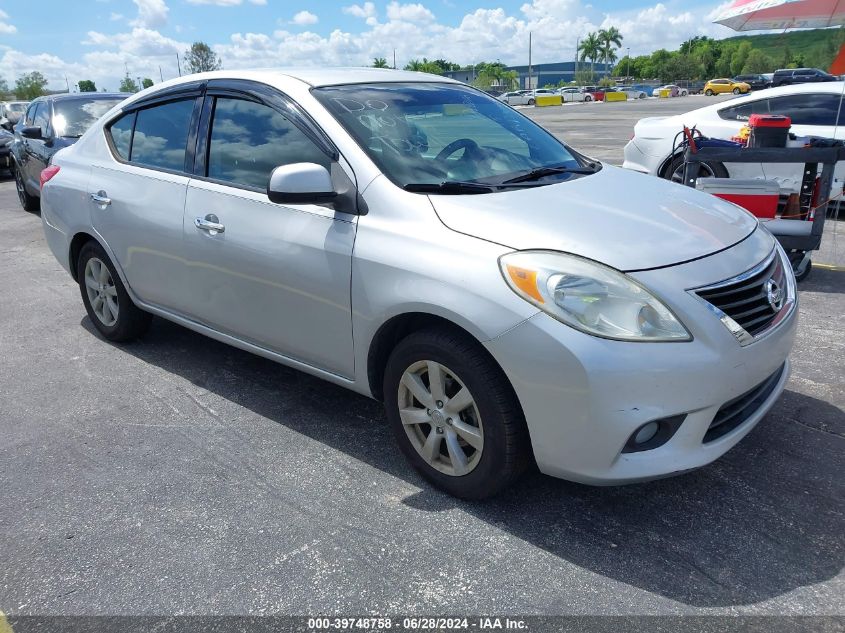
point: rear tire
(472, 449)
(105, 297)
(531, 102)
(28, 202)
(587, 98)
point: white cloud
(151, 13)
(116, 17)
(304, 18)
(227, 3)
(484, 34)
(5, 27)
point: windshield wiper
(450, 186)
(541, 172)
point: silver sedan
(417, 241)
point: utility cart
(801, 232)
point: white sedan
(813, 109)
(570, 95)
(633, 93)
(517, 98)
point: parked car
(723, 86)
(49, 125)
(6, 140)
(813, 109)
(788, 76)
(596, 93)
(11, 111)
(674, 90)
(648, 90)
(757, 82)
(632, 92)
(574, 94)
(414, 240)
(517, 98)
(545, 91)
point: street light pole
(529, 61)
(628, 69)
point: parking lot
(179, 475)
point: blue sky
(98, 39)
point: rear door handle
(209, 223)
(101, 198)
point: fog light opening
(653, 434)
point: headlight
(590, 297)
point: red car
(595, 92)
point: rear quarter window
(121, 135)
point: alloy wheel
(102, 294)
(19, 186)
(441, 418)
(704, 171)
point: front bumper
(583, 397)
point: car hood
(626, 220)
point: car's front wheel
(531, 102)
(588, 98)
(28, 202)
(737, 91)
(708, 92)
(106, 300)
(454, 414)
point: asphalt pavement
(177, 475)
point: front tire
(454, 414)
(737, 91)
(588, 98)
(674, 171)
(28, 202)
(531, 102)
(708, 92)
(105, 297)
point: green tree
(146, 82)
(740, 56)
(127, 84)
(200, 58)
(4, 87)
(380, 62)
(86, 85)
(610, 39)
(590, 48)
(758, 62)
(30, 86)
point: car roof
(89, 96)
(835, 87)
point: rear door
(137, 196)
(277, 276)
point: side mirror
(32, 131)
(301, 183)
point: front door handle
(101, 198)
(209, 223)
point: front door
(276, 276)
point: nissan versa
(422, 243)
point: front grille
(747, 300)
(734, 413)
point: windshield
(16, 107)
(72, 118)
(430, 133)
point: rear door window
(805, 109)
(161, 135)
(743, 111)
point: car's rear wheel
(531, 102)
(105, 297)
(641, 95)
(454, 414)
(708, 92)
(588, 98)
(675, 170)
(28, 202)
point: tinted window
(805, 109)
(249, 140)
(30, 114)
(73, 117)
(42, 117)
(161, 135)
(121, 134)
(744, 110)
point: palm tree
(610, 37)
(379, 62)
(590, 48)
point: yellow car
(721, 86)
